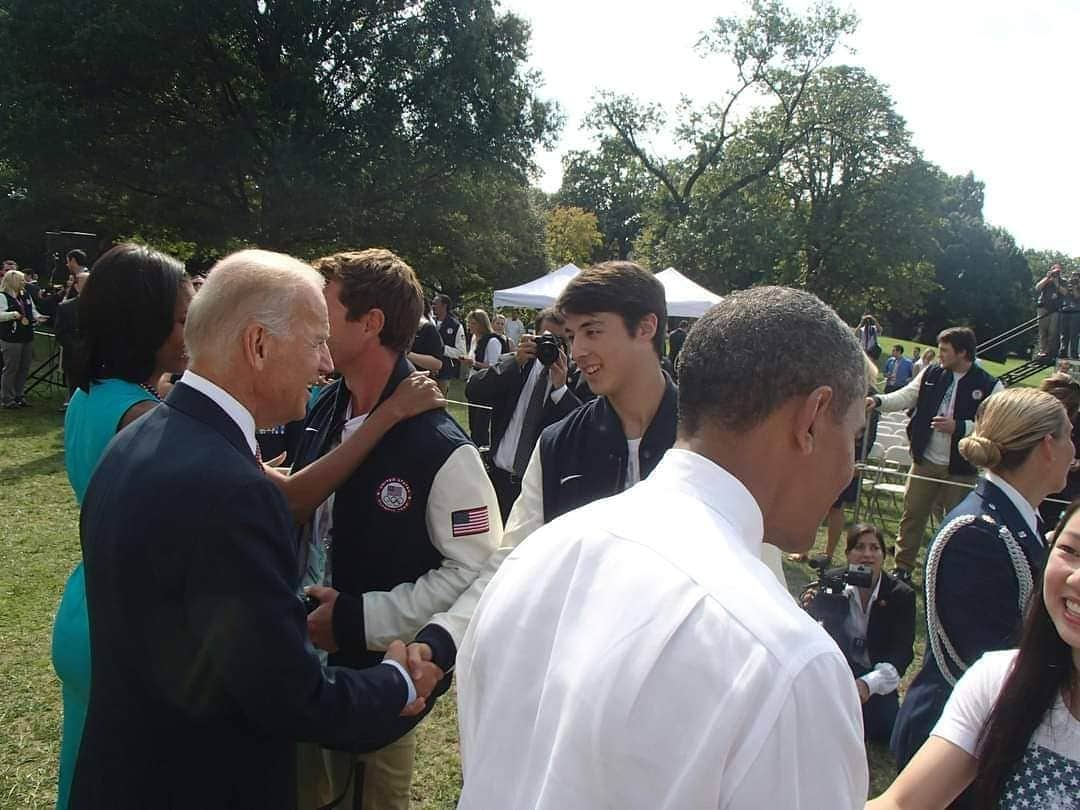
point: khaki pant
(1049, 334)
(336, 780)
(920, 499)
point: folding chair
(891, 480)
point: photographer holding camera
(871, 616)
(1050, 290)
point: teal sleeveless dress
(90, 423)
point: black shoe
(22, 403)
(902, 574)
(9, 406)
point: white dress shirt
(227, 402)
(637, 653)
(506, 452)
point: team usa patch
(469, 521)
(394, 495)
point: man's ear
(808, 416)
(648, 325)
(374, 321)
(255, 344)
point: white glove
(882, 679)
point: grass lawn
(38, 548)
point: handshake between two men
(415, 659)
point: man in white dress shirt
(637, 653)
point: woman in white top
(1012, 725)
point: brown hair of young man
(625, 288)
(377, 279)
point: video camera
(547, 348)
(825, 600)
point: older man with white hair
(203, 675)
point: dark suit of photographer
(877, 634)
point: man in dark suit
(203, 676)
(526, 396)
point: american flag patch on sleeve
(469, 521)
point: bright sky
(985, 85)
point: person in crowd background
(427, 347)
(514, 328)
(453, 338)
(203, 676)
(485, 348)
(566, 694)
(1049, 291)
(925, 360)
(17, 321)
(1010, 729)
(526, 396)
(981, 565)
(75, 261)
(66, 329)
(945, 398)
(404, 535)
(676, 338)
(867, 332)
(877, 635)
(898, 370)
(498, 326)
(1067, 391)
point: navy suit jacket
(203, 676)
(977, 595)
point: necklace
(151, 391)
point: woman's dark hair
(126, 313)
(858, 530)
(1042, 670)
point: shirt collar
(718, 489)
(852, 591)
(227, 402)
(1026, 510)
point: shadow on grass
(37, 466)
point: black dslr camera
(547, 348)
(825, 599)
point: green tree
(774, 54)
(291, 125)
(613, 184)
(572, 235)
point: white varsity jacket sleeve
(464, 524)
(526, 517)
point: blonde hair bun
(981, 451)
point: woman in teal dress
(131, 320)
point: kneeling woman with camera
(875, 626)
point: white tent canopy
(685, 298)
(539, 293)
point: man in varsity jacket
(408, 532)
(614, 315)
